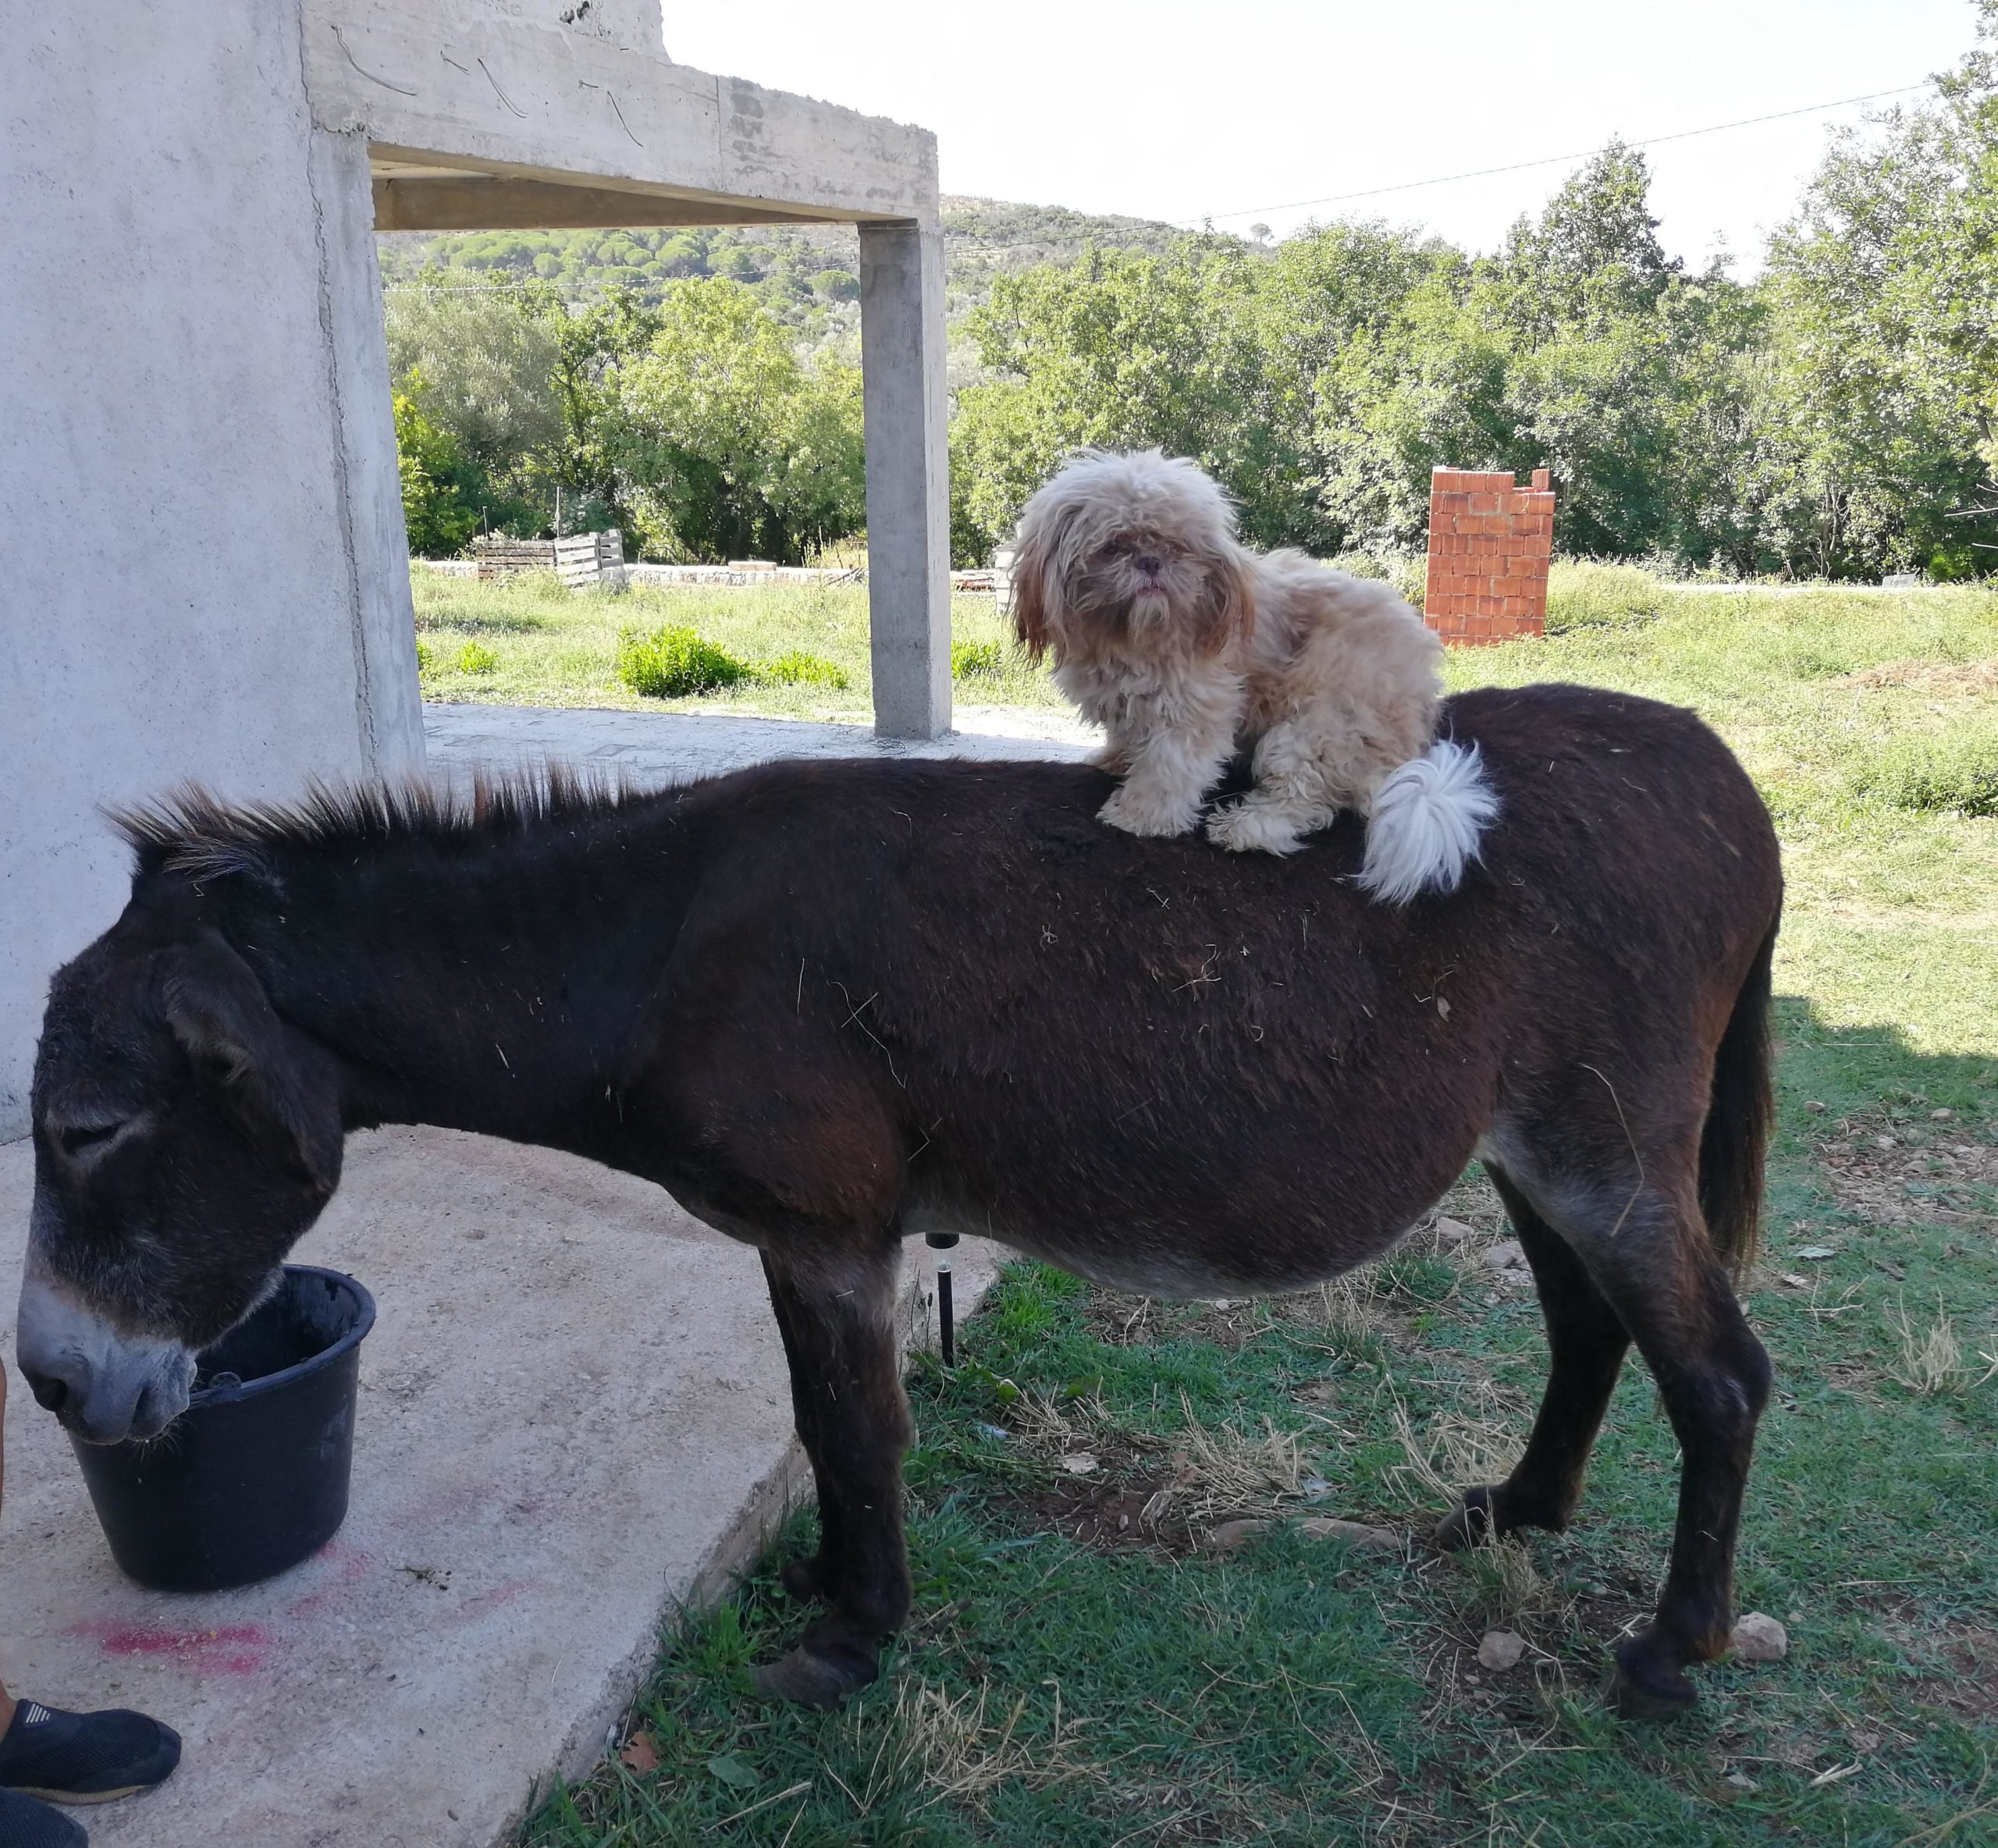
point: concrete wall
(202, 575)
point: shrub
(1932, 773)
(969, 658)
(475, 657)
(796, 668)
(426, 658)
(1406, 573)
(674, 661)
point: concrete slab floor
(574, 1420)
(654, 748)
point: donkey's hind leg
(835, 1308)
(1650, 1255)
(1586, 1344)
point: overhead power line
(1550, 160)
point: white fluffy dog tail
(1429, 816)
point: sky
(1239, 109)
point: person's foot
(83, 1757)
(24, 1823)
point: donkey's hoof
(804, 1579)
(1469, 1524)
(815, 1678)
(1648, 1686)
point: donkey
(828, 1005)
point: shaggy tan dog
(1185, 646)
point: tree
(1885, 289)
(439, 486)
(724, 443)
(480, 363)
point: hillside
(806, 274)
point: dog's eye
(79, 1139)
(1116, 549)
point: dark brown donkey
(828, 1005)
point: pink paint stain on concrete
(231, 1649)
(341, 1566)
(498, 1598)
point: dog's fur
(1185, 647)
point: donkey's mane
(190, 830)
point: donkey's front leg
(835, 1307)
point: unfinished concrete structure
(209, 575)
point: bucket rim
(363, 1323)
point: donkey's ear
(281, 1086)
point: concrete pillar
(366, 478)
(908, 478)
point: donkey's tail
(1735, 1138)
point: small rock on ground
(1356, 1533)
(1760, 1639)
(1453, 1231)
(1501, 1649)
(1228, 1535)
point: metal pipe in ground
(947, 1333)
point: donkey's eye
(80, 1138)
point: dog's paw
(1138, 810)
(1246, 829)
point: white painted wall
(201, 548)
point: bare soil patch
(1973, 677)
(1893, 1174)
(1108, 1517)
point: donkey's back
(1180, 1070)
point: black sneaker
(84, 1758)
(25, 1824)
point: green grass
(1117, 1686)
(804, 648)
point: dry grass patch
(1476, 1441)
(1929, 1359)
(1217, 1470)
(961, 1749)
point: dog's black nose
(1150, 563)
(49, 1392)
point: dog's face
(1130, 555)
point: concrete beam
(486, 202)
(908, 476)
(530, 97)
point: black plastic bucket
(252, 1477)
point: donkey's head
(184, 1137)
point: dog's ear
(1032, 605)
(1226, 613)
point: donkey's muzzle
(104, 1384)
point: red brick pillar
(1489, 542)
